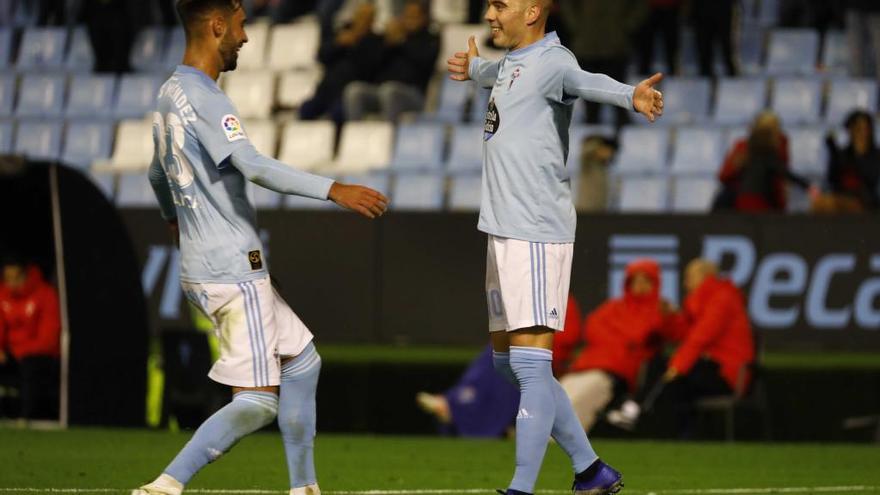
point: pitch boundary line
(477, 491)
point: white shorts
(527, 283)
(255, 328)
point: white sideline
(477, 491)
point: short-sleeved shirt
(195, 130)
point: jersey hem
(245, 278)
(498, 233)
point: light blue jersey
(526, 192)
(197, 136)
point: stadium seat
(251, 92)
(6, 131)
(263, 134)
(364, 146)
(91, 95)
(253, 53)
(148, 51)
(174, 52)
(80, 56)
(847, 95)
(418, 192)
(697, 150)
(466, 149)
(737, 101)
(686, 101)
(308, 145)
(643, 150)
(134, 191)
(464, 193)
(105, 182)
(41, 95)
(5, 46)
(694, 194)
(296, 87)
(38, 140)
(480, 105)
(797, 101)
(294, 46)
(418, 147)
(454, 38)
(7, 94)
(809, 156)
(732, 135)
(133, 148)
(42, 48)
(454, 96)
(449, 11)
(752, 40)
(137, 95)
(644, 194)
(792, 51)
(835, 53)
(86, 142)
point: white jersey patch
(232, 128)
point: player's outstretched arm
(647, 100)
(360, 199)
(462, 66)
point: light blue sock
(569, 433)
(248, 412)
(296, 415)
(501, 361)
(537, 412)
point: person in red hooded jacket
(30, 330)
(619, 337)
(716, 346)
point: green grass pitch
(109, 461)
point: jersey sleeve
(484, 72)
(564, 80)
(218, 126)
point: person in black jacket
(713, 23)
(863, 34)
(854, 171)
(409, 53)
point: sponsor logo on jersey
(493, 121)
(232, 128)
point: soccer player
(527, 212)
(203, 160)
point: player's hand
(459, 63)
(647, 100)
(670, 375)
(174, 229)
(367, 202)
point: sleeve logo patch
(232, 128)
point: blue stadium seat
(644, 194)
(176, 47)
(80, 56)
(86, 141)
(7, 94)
(797, 101)
(847, 95)
(732, 135)
(418, 146)
(137, 95)
(737, 101)
(751, 50)
(418, 192)
(694, 194)
(698, 150)
(454, 96)
(91, 95)
(464, 193)
(5, 46)
(792, 51)
(643, 150)
(835, 53)
(38, 140)
(686, 101)
(466, 150)
(41, 95)
(6, 132)
(479, 105)
(808, 153)
(105, 182)
(134, 191)
(42, 48)
(148, 52)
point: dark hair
(857, 115)
(193, 10)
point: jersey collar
(549, 39)
(187, 69)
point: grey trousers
(390, 99)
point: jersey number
(171, 137)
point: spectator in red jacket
(30, 331)
(716, 344)
(619, 337)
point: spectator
(481, 404)
(863, 35)
(600, 32)
(853, 172)
(592, 186)
(755, 171)
(716, 345)
(30, 332)
(112, 25)
(354, 54)
(619, 338)
(663, 18)
(410, 52)
(713, 23)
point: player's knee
(256, 409)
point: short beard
(228, 52)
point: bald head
(696, 272)
(517, 23)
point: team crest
(232, 128)
(516, 73)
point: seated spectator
(619, 338)
(596, 155)
(716, 343)
(854, 171)
(410, 52)
(755, 171)
(30, 332)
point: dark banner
(418, 278)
